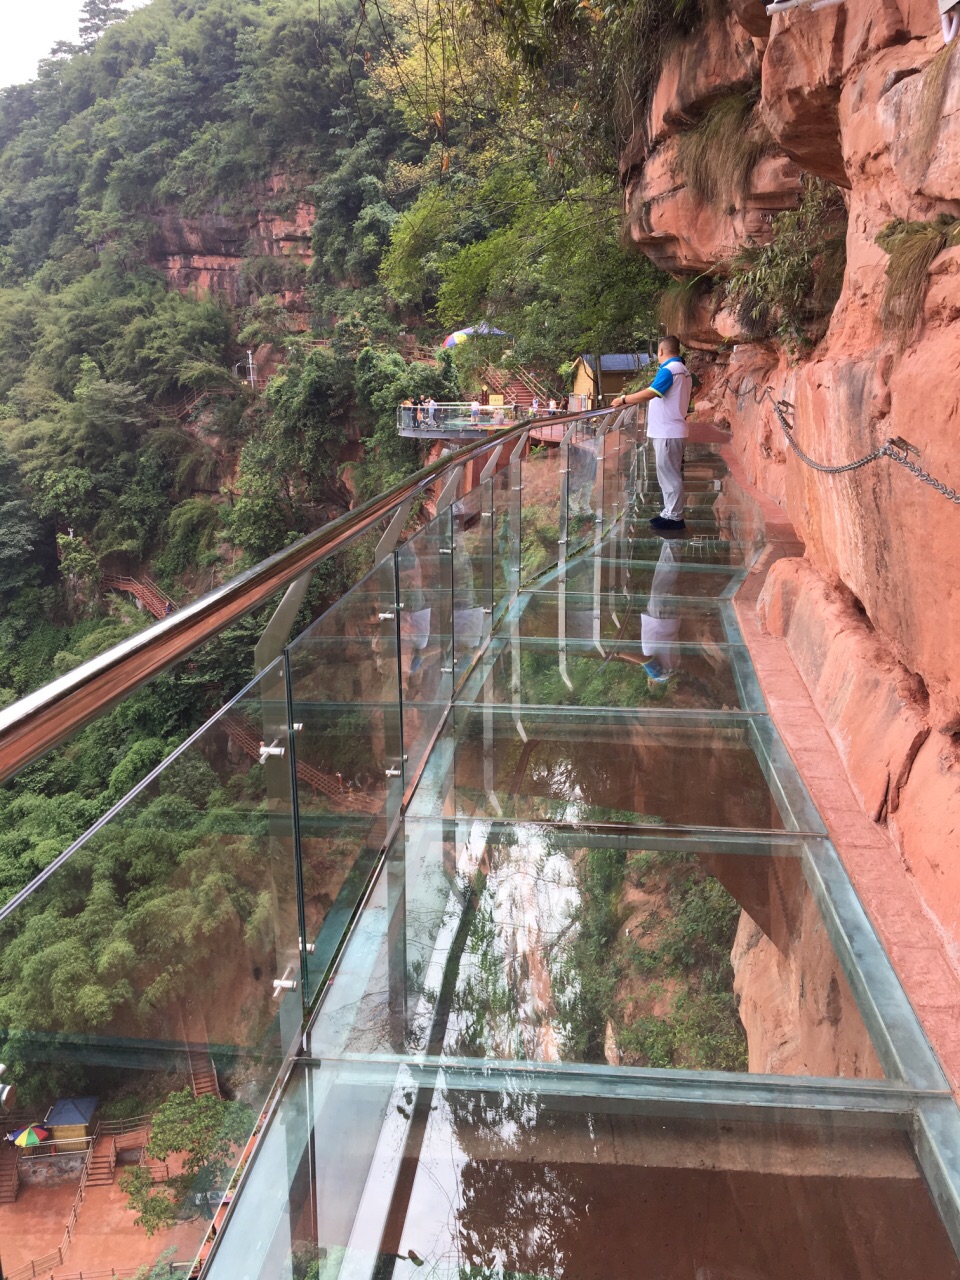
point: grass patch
(679, 302)
(912, 247)
(719, 154)
(933, 91)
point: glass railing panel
(540, 519)
(384, 994)
(472, 574)
(155, 972)
(613, 494)
(584, 487)
(599, 765)
(345, 697)
(618, 673)
(425, 578)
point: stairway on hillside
(9, 1174)
(517, 387)
(248, 739)
(203, 1074)
(103, 1162)
(147, 592)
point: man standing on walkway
(669, 396)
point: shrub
(795, 280)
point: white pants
(669, 456)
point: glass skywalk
(524, 944)
(609, 1006)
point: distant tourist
(431, 412)
(535, 406)
(419, 407)
(498, 416)
(551, 407)
(565, 404)
(406, 412)
(475, 412)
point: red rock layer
(869, 613)
(204, 255)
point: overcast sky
(31, 28)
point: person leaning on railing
(669, 399)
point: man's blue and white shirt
(667, 412)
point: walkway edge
(882, 881)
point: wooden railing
(187, 402)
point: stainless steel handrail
(53, 713)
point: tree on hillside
(19, 528)
(205, 1131)
(95, 17)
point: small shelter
(70, 1120)
(615, 372)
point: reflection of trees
(516, 1207)
(169, 908)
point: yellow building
(615, 372)
(70, 1121)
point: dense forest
(456, 168)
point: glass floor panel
(595, 766)
(544, 672)
(535, 943)
(370, 1172)
(612, 616)
(635, 578)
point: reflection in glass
(401, 1172)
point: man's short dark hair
(671, 345)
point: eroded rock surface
(849, 94)
(204, 255)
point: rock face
(205, 255)
(849, 94)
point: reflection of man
(660, 625)
(669, 397)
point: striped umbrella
(31, 1136)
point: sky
(31, 28)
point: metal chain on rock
(898, 451)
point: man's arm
(656, 391)
(635, 397)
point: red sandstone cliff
(205, 254)
(869, 613)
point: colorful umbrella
(461, 335)
(31, 1136)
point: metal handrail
(53, 713)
